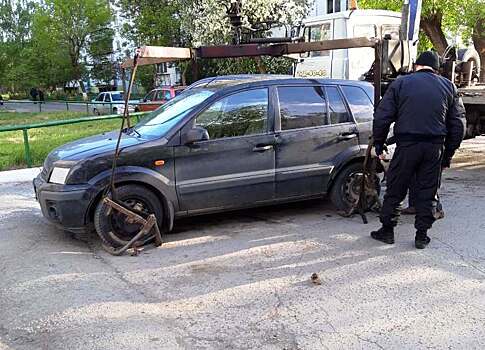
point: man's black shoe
(383, 234)
(420, 242)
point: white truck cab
(346, 63)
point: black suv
(223, 145)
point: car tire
(112, 229)
(344, 191)
(115, 110)
(96, 112)
(137, 109)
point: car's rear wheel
(113, 229)
(346, 188)
(96, 112)
(115, 110)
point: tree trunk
(431, 26)
(478, 38)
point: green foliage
(456, 16)
(205, 23)
(49, 43)
(150, 22)
(72, 26)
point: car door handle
(346, 136)
(262, 148)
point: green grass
(43, 140)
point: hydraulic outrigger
(385, 63)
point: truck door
(317, 63)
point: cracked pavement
(242, 280)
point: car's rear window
(359, 102)
(117, 97)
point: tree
(466, 17)
(205, 22)
(71, 26)
(474, 20)
(15, 25)
(150, 22)
(436, 15)
(103, 67)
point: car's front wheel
(346, 188)
(113, 228)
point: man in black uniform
(429, 128)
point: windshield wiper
(129, 130)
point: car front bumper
(66, 206)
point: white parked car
(111, 102)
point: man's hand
(380, 148)
(445, 163)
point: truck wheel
(345, 190)
(113, 229)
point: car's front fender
(163, 187)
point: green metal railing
(68, 105)
(26, 127)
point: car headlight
(59, 175)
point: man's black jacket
(425, 108)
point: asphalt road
(241, 280)
(29, 106)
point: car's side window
(159, 96)
(166, 95)
(302, 107)
(360, 104)
(100, 98)
(338, 111)
(150, 96)
(243, 113)
(107, 98)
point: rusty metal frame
(280, 49)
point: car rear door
(313, 128)
(235, 167)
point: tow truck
(459, 65)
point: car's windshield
(158, 122)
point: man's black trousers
(419, 160)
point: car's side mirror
(196, 134)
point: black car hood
(91, 146)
